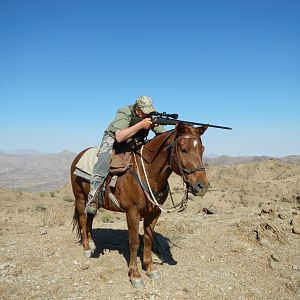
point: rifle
(172, 119)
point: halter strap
(182, 169)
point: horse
(179, 150)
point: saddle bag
(120, 162)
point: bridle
(174, 158)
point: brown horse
(179, 150)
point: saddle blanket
(85, 165)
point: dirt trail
(240, 241)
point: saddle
(120, 162)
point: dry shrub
(68, 198)
(49, 217)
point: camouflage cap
(144, 103)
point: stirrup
(92, 208)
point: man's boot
(94, 195)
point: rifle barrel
(162, 121)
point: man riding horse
(119, 132)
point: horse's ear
(202, 129)
(180, 127)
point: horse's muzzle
(198, 189)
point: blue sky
(67, 66)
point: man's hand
(146, 124)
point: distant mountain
(34, 171)
(292, 158)
(229, 160)
(20, 152)
(210, 155)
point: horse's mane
(155, 144)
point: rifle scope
(164, 115)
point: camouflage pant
(101, 168)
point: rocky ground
(240, 241)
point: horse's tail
(75, 223)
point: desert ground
(240, 241)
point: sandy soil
(240, 241)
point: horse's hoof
(153, 274)
(137, 283)
(87, 253)
(92, 245)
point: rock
(16, 272)
(85, 266)
(50, 253)
(256, 291)
(207, 211)
(267, 209)
(296, 224)
(76, 263)
(275, 257)
(4, 266)
(43, 231)
(272, 264)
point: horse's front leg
(133, 219)
(86, 237)
(149, 224)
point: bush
(40, 207)
(68, 198)
(48, 218)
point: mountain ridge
(51, 171)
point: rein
(182, 205)
(152, 199)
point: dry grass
(48, 217)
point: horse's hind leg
(84, 235)
(85, 225)
(90, 219)
(149, 224)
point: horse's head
(186, 158)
